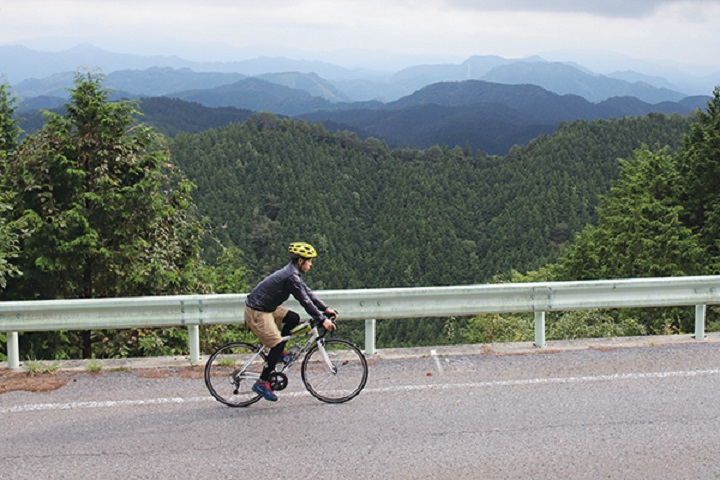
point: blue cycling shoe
(263, 388)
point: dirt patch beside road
(12, 381)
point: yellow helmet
(302, 250)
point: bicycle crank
(278, 381)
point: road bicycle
(332, 370)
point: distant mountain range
(34, 73)
(486, 102)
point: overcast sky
(681, 31)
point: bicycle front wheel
(338, 374)
(231, 372)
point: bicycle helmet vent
(302, 250)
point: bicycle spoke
(336, 376)
(231, 372)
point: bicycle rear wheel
(231, 372)
(340, 380)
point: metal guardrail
(369, 304)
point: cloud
(343, 30)
(604, 8)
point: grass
(94, 366)
(35, 367)
(226, 362)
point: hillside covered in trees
(398, 218)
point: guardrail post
(13, 350)
(370, 337)
(700, 311)
(194, 339)
(539, 329)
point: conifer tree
(9, 241)
(699, 182)
(107, 214)
(639, 232)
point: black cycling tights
(290, 321)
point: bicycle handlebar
(332, 318)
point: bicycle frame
(314, 336)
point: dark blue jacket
(277, 287)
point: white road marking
(402, 388)
(100, 404)
(547, 381)
(437, 360)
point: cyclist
(264, 314)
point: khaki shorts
(266, 325)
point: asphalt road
(624, 413)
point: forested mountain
(258, 95)
(172, 116)
(564, 79)
(396, 218)
(491, 127)
(312, 83)
(539, 102)
(491, 117)
(168, 115)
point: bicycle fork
(326, 357)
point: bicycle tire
(224, 380)
(342, 385)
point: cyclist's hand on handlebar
(329, 322)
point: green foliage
(663, 215)
(35, 367)
(713, 319)
(104, 214)
(141, 342)
(499, 328)
(9, 237)
(384, 218)
(559, 326)
(9, 245)
(544, 194)
(661, 219)
(699, 168)
(225, 269)
(63, 345)
(213, 336)
(173, 117)
(401, 333)
(9, 130)
(591, 324)
(94, 366)
(639, 231)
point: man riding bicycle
(265, 316)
